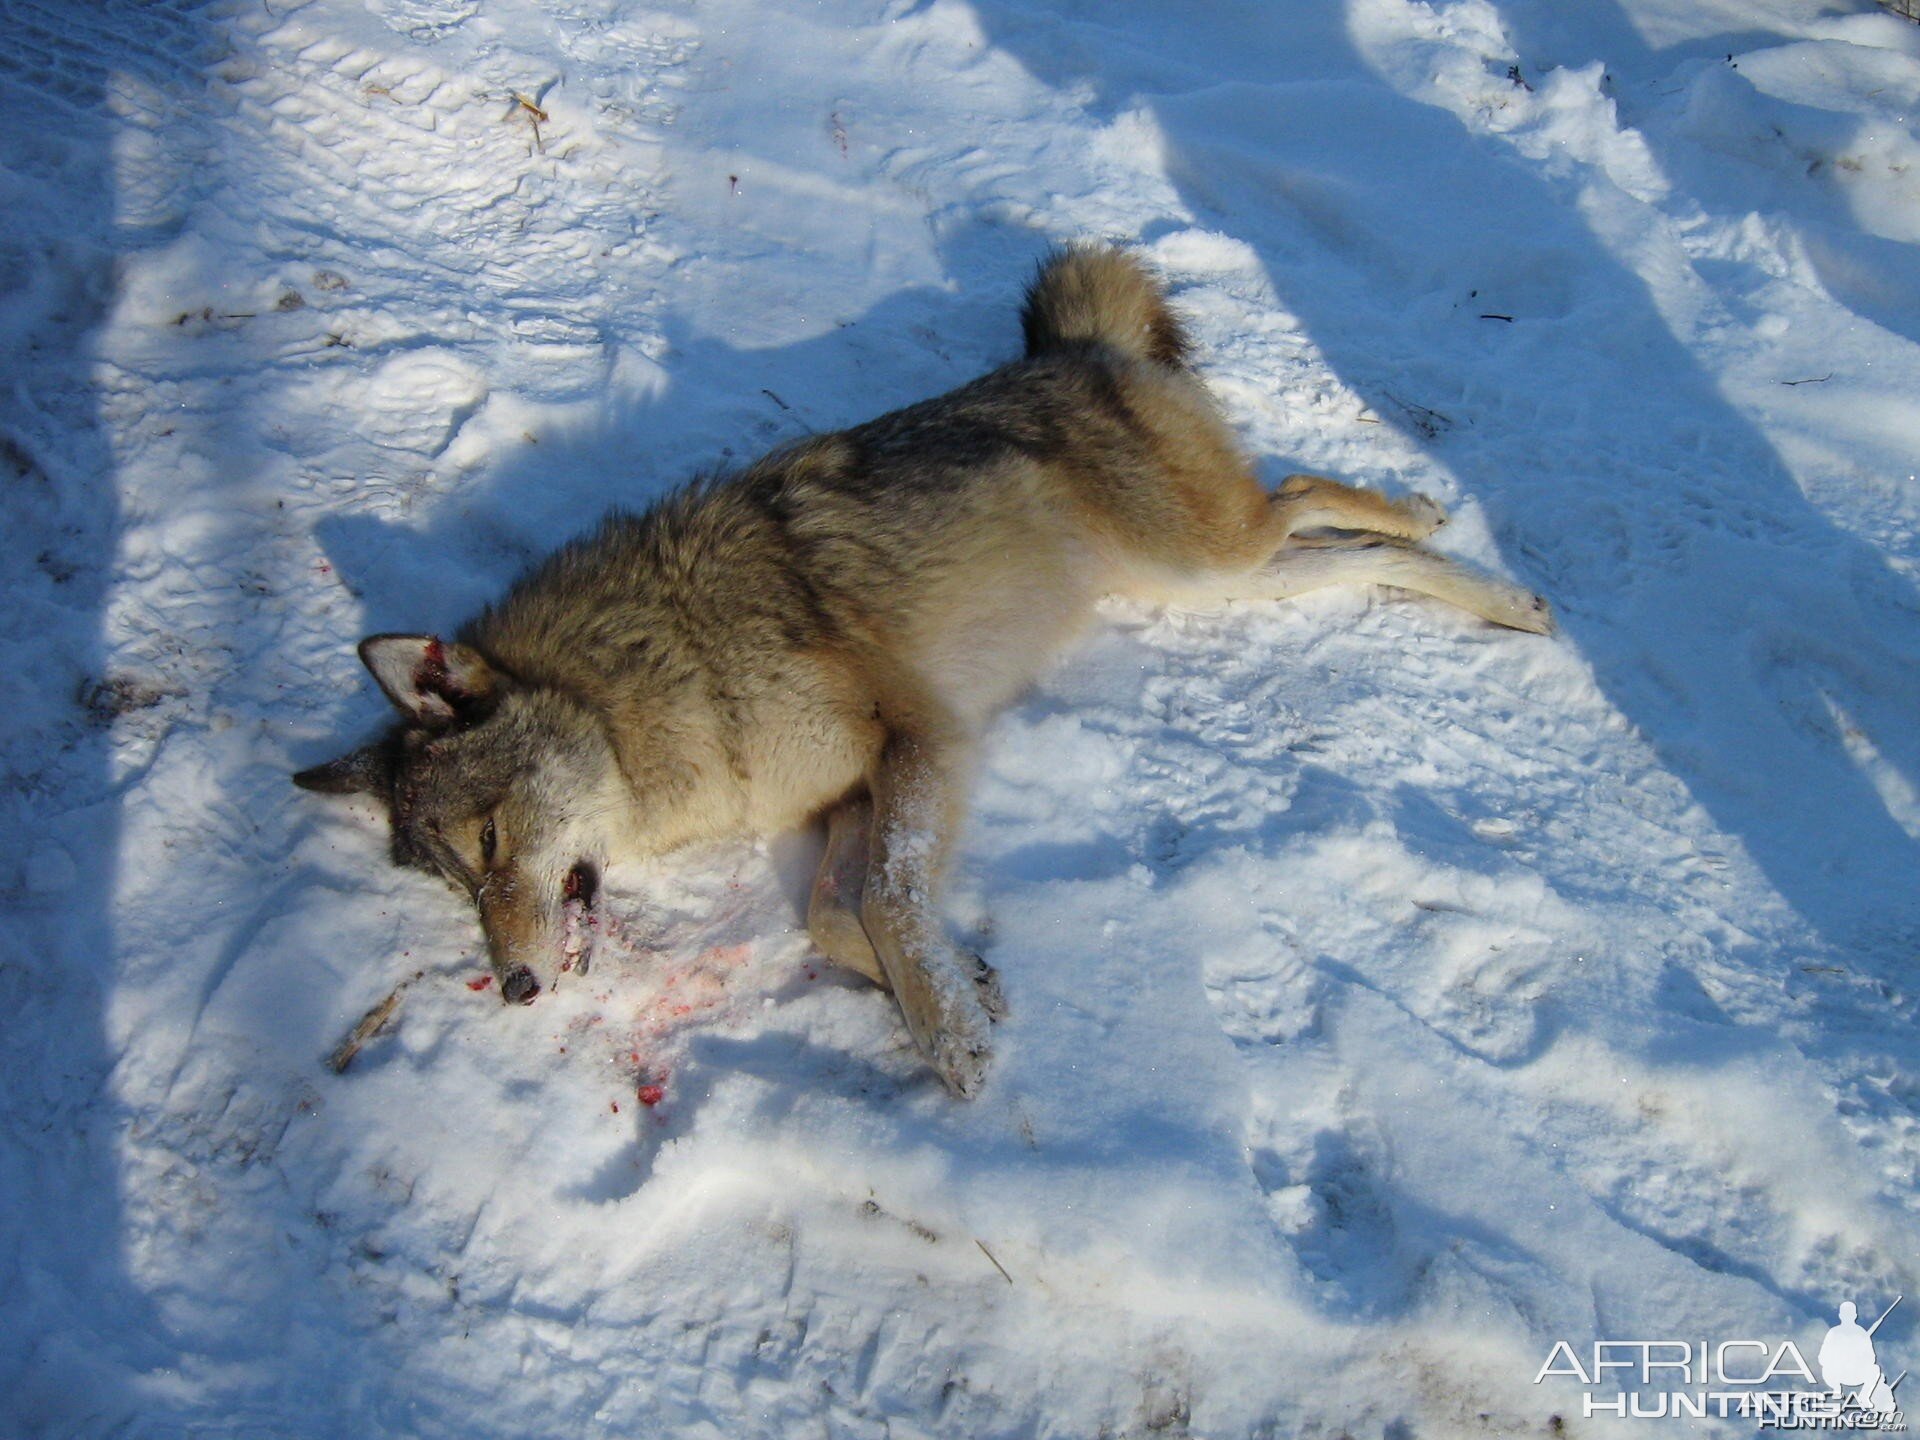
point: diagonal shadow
(1728, 619)
(1760, 153)
(81, 1334)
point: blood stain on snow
(651, 1095)
(480, 982)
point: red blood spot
(616, 1106)
(480, 982)
(651, 1095)
(431, 673)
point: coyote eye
(488, 841)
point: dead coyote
(828, 633)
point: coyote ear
(366, 771)
(433, 683)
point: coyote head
(506, 790)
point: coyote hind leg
(1303, 565)
(1310, 502)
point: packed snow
(1392, 997)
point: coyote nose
(519, 987)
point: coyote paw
(961, 1060)
(1527, 611)
(949, 999)
(953, 1021)
(1424, 515)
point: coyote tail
(1100, 295)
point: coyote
(826, 635)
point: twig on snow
(534, 114)
(371, 1024)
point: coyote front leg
(833, 912)
(949, 998)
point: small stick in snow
(1817, 380)
(996, 1264)
(371, 1024)
(535, 114)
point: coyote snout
(506, 792)
(537, 932)
(828, 633)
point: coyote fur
(827, 633)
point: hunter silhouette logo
(1847, 1361)
(1766, 1382)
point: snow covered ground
(1392, 997)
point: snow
(1392, 997)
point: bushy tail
(1097, 294)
